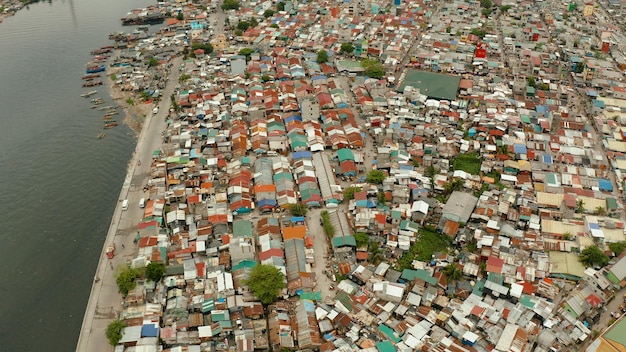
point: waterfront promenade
(105, 302)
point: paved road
(320, 246)
(105, 302)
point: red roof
(494, 265)
(274, 252)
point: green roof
(421, 274)
(385, 346)
(344, 299)
(344, 241)
(617, 333)
(389, 333)
(248, 264)
(433, 85)
(242, 228)
(311, 296)
(345, 154)
(611, 204)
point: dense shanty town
(436, 176)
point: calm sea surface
(58, 182)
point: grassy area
(469, 162)
(429, 242)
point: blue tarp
(267, 202)
(149, 330)
(605, 185)
(297, 219)
(547, 159)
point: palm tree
(580, 206)
(453, 272)
(600, 211)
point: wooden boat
(95, 69)
(108, 107)
(88, 94)
(92, 84)
(110, 124)
(108, 119)
(112, 112)
(111, 250)
(101, 135)
(91, 76)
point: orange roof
(294, 232)
(264, 188)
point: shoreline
(105, 301)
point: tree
(382, 198)
(268, 13)
(373, 68)
(247, 52)
(243, 25)
(298, 209)
(207, 47)
(322, 57)
(375, 255)
(348, 193)
(347, 48)
(126, 280)
(152, 62)
(593, 256)
(375, 177)
(617, 247)
(230, 5)
(155, 271)
(580, 206)
(362, 239)
(274, 25)
(600, 211)
(180, 16)
(280, 6)
(114, 331)
(430, 172)
(453, 272)
(265, 78)
(266, 282)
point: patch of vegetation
(207, 47)
(130, 101)
(480, 33)
(114, 331)
(268, 13)
(322, 57)
(113, 76)
(280, 6)
(468, 162)
(230, 5)
(617, 247)
(373, 68)
(362, 239)
(329, 230)
(593, 256)
(126, 279)
(298, 209)
(152, 62)
(348, 193)
(375, 177)
(429, 242)
(266, 282)
(347, 48)
(247, 52)
(155, 271)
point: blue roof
(149, 330)
(594, 226)
(302, 155)
(547, 159)
(519, 148)
(598, 103)
(264, 202)
(293, 118)
(605, 185)
(297, 219)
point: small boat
(97, 100)
(112, 112)
(101, 135)
(108, 107)
(88, 94)
(92, 84)
(91, 76)
(111, 250)
(108, 119)
(95, 69)
(110, 124)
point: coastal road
(105, 302)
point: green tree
(505, 8)
(298, 209)
(617, 247)
(266, 282)
(155, 271)
(580, 206)
(230, 5)
(152, 62)
(243, 25)
(382, 198)
(375, 256)
(600, 211)
(375, 177)
(430, 172)
(373, 68)
(238, 32)
(322, 57)
(126, 279)
(348, 193)
(530, 81)
(362, 239)
(247, 52)
(180, 16)
(347, 48)
(593, 256)
(480, 33)
(280, 6)
(268, 13)
(274, 25)
(114, 331)
(266, 78)
(207, 47)
(453, 272)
